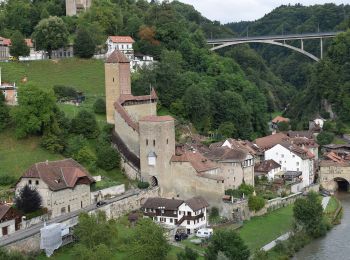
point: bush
(214, 213)
(325, 138)
(100, 106)
(74, 144)
(256, 203)
(85, 123)
(107, 157)
(234, 193)
(64, 93)
(246, 189)
(86, 156)
(7, 180)
(142, 184)
(28, 200)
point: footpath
(285, 236)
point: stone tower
(117, 81)
(73, 7)
(157, 146)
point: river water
(336, 244)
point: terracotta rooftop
(117, 57)
(59, 175)
(266, 166)
(197, 203)
(197, 160)
(157, 118)
(3, 210)
(128, 97)
(299, 151)
(328, 163)
(121, 39)
(227, 154)
(124, 114)
(271, 140)
(334, 157)
(279, 119)
(168, 204)
(7, 42)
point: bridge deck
(276, 37)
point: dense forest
(316, 84)
(233, 91)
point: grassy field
(84, 75)
(259, 231)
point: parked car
(204, 232)
(100, 203)
(180, 236)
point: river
(335, 245)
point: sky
(245, 10)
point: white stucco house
(268, 168)
(189, 214)
(64, 185)
(121, 43)
(293, 158)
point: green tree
(188, 254)
(18, 45)
(85, 124)
(283, 126)
(148, 241)
(256, 203)
(4, 113)
(50, 34)
(95, 229)
(308, 213)
(84, 44)
(227, 129)
(100, 106)
(325, 137)
(229, 243)
(107, 157)
(34, 112)
(28, 200)
(74, 144)
(101, 251)
(86, 156)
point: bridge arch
(308, 54)
(341, 184)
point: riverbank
(288, 248)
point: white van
(204, 232)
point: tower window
(154, 142)
(146, 141)
(113, 79)
(167, 141)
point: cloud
(245, 10)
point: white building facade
(291, 159)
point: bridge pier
(302, 44)
(321, 47)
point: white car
(204, 232)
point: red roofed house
(10, 220)
(122, 44)
(64, 185)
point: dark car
(180, 236)
(100, 203)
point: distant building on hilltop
(74, 7)
(9, 91)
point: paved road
(274, 242)
(25, 233)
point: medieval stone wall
(329, 173)
(129, 136)
(139, 111)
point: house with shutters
(64, 185)
(189, 214)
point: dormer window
(152, 158)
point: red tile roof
(197, 203)
(157, 118)
(124, 114)
(3, 210)
(59, 175)
(197, 160)
(121, 39)
(227, 154)
(279, 119)
(117, 57)
(271, 140)
(266, 166)
(8, 42)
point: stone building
(268, 168)
(74, 7)
(64, 185)
(147, 141)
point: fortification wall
(129, 136)
(139, 111)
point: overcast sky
(245, 10)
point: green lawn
(260, 231)
(17, 155)
(337, 140)
(84, 75)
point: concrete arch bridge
(279, 40)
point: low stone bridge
(335, 175)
